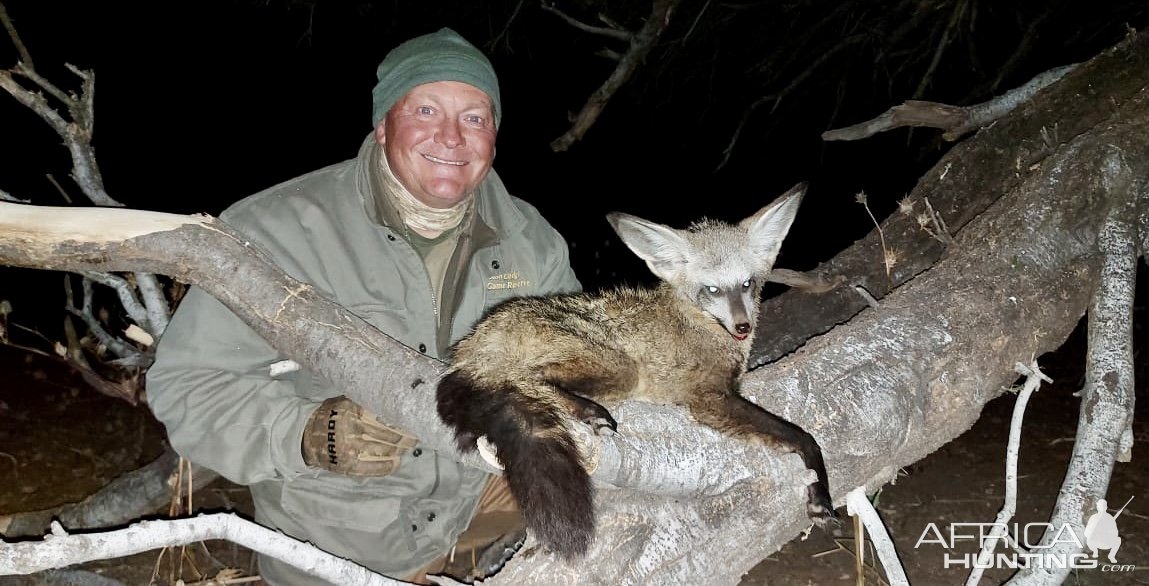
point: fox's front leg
(733, 414)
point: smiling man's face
(439, 140)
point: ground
(54, 450)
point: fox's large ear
(768, 227)
(664, 249)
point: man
(418, 236)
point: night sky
(200, 104)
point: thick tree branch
(1003, 155)
(1107, 399)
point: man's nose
(449, 135)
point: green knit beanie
(439, 56)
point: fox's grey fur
(533, 365)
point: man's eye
(476, 120)
(425, 110)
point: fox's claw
(597, 417)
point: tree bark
(878, 393)
(964, 183)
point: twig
(857, 504)
(941, 232)
(859, 552)
(864, 294)
(1033, 380)
(152, 295)
(958, 12)
(59, 188)
(25, 56)
(609, 32)
(889, 257)
(809, 282)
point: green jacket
(211, 388)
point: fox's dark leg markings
(730, 412)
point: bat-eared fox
(535, 365)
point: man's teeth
(435, 159)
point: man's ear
(381, 131)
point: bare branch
(152, 294)
(955, 18)
(858, 505)
(25, 56)
(1033, 380)
(124, 291)
(955, 120)
(5, 196)
(640, 45)
(617, 34)
(60, 549)
(113, 344)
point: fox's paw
(820, 508)
(598, 418)
(823, 517)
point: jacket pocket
(337, 504)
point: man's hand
(342, 436)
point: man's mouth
(435, 159)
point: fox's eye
(711, 289)
(748, 284)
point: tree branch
(957, 121)
(60, 549)
(25, 56)
(641, 44)
(959, 189)
(609, 32)
(1107, 399)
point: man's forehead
(471, 96)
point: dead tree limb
(129, 497)
(964, 183)
(956, 121)
(1104, 428)
(640, 45)
(62, 549)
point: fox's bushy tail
(540, 459)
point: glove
(341, 436)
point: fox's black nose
(742, 328)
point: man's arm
(212, 389)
